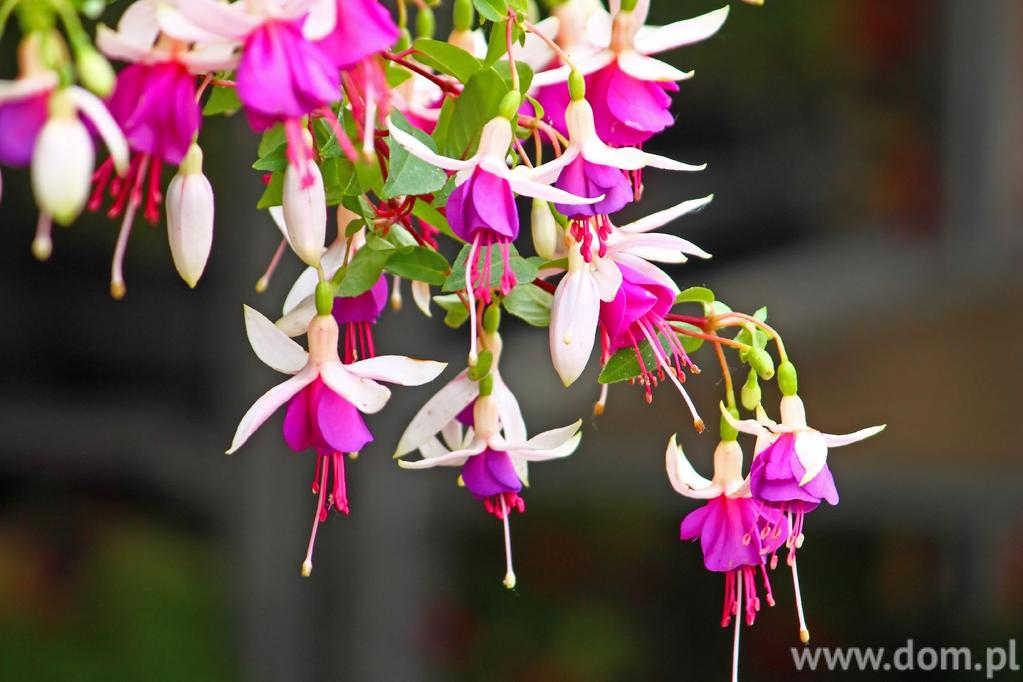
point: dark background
(867, 162)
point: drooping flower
(358, 29)
(737, 533)
(492, 461)
(627, 88)
(327, 398)
(190, 217)
(481, 209)
(593, 277)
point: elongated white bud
(305, 212)
(190, 217)
(545, 230)
(62, 162)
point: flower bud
(492, 318)
(62, 162)
(463, 15)
(787, 380)
(324, 298)
(576, 85)
(95, 71)
(190, 217)
(750, 394)
(545, 230)
(510, 104)
(305, 212)
(761, 361)
(484, 361)
(425, 22)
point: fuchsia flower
(736, 532)
(351, 30)
(327, 398)
(493, 454)
(628, 88)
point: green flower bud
(761, 361)
(404, 40)
(95, 71)
(481, 369)
(463, 15)
(425, 22)
(787, 380)
(728, 432)
(576, 85)
(628, 5)
(324, 298)
(751, 391)
(487, 385)
(492, 318)
(509, 108)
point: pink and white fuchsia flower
(593, 278)
(327, 399)
(492, 460)
(737, 532)
(627, 87)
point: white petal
(296, 322)
(509, 412)
(586, 65)
(321, 19)
(365, 394)
(452, 459)
(661, 218)
(548, 172)
(645, 268)
(210, 57)
(574, 315)
(211, 18)
(62, 165)
(438, 411)
(398, 369)
(681, 474)
(452, 434)
(268, 403)
(750, 426)
(598, 28)
(272, 345)
(535, 51)
(630, 158)
(421, 297)
(649, 69)
(554, 438)
(139, 23)
(663, 248)
(418, 149)
(537, 190)
(540, 455)
(681, 33)
(608, 278)
(117, 46)
(20, 88)
(94, 109)
(433, 448)
(837, 441)
(301, 290)
(812, 452)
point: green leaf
(271, 140)
(525, 269)
(274, 160)
(339, 180)
(455, 309)
(491, 10)
(695, 295)
(222, 101)
(273, 195)
(363, 271)
(431, 216)
(458, 131)
(497, 45)
(624, 365)
(408, 174)
(446, 58)
(530, 303)
(421, 264)
(503, 68)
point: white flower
(728, 479)
(811, 445)
(622, 36)
(190, 217)
(355, 382)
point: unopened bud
(484, 361)
(761, 361)
(463, 15)
(95, 71)
(492, 318)
(750, 393)
(787, 379)
(190, 217)
(425, 22)
(62, 162)
(576, 85)
(305, 212)
(510, 104)
(324, 298)
(545, 230)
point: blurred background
(866, 158)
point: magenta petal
(627, 111)
(554, 99)
(20, 123)
(458, 210)
(495, 205)
(591, 180)
(156, 108)
(490, 473)
(366, 307)
(363, 28)
(638, 298)
(692, 524)
(776, 473)
(297, 432)
(730, 536)
(341, 424)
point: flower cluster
(385, 159)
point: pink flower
(627, 88)
(326, 398)
(361, 29)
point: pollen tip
(699, 425)
(261, 284)
(307, 568)
(353, 456)
(117, 290)
(42, 247)
(509, 581)
(598, 409)
(460, 482)
(800, 539)
(804, 636)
